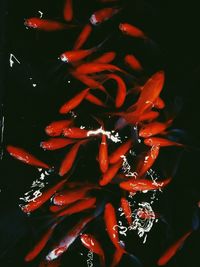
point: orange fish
(69, 159)
(133, 62)
(131, 30)
(89, 68)
(171, 251)
(92, 244)
(39, 201)
(105, 58)
(120, 151)
(149, 116)
(111, 172)
(76, 55)
(55, 208)
(56, 127)
(121, 90)
(102, 15)
(75, 132)
(82, 38)
(127, 210)
(68, 10)
(40, 244)
(158, 141)
(74, 102)
(153, 128)
(143, 185)
(56, 143)
(26, 157)
(103, 154)
(46, 25)
(159, 103)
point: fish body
(56, 143)
(102, 15)
(45, 25)
(110, 174)
(55, 128)
(68, 10)
(83, 36)
(120, 151)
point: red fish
(105, 58)
(159, 103)
(74, 102)
(55, 208)
(63, 245)
(69, 159)
(111, 172)
(68, 10)
(75, 55)
(149, 116)
(75, 132)
(78, 206)
(92, 244)
(102, 15)
(94, 100)
(117, 257)
(82, 38)
(121, 90)
(56, 143)
(25, 157)
(143, 185)
(69, 196)
(127, 210)
(89, 68)
(131, 30)
(148, 161)
(39, 201)
(41, 244)
(56, 127)
(153, 128)
(171, 251)
(45, 25)
(120, 151)
(103, 154)
(133, 62)
(158, 141)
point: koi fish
(127, 210)
(103, 154)
(94, 100)
(25, 157)
(68, 10)
(40, 244)
(132, 30)
(74, 102)
(153, 128)
(158, 141)
(133, 62)
(78, 206)
(39, 201)
(69, 159)
(120, 151)
(82, 38)
(105, 58)
(56, 127)
(102, 15)
(69, 196)
(92, 244)
(143, 185)
(148, 161)
(46, 25)
(111, 172)
(121, 90)
(56, 143)
(171, 251)
(89, 68)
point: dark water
(27, 109)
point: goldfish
(159, 103)
(69, 159)
(133, 62)
(68, 10)
(62, 246)
(55, 208)
(111, 172)
(153, 128)
(26, 157)
(132, 30)
(161, 142)
(103, 154)
(75, 132)
(92, 244)
(116, 257)
(46, 195)
(82, 38)
(78, 206)
(94, 100)
(56, 143)
(105, 58)
(143, 185)
(149, 116)
(121, 90)
(89, 68)
(120, 151)
(40, 244)
(126, 209)
(73, 102)
(102, 15)
(171, 251)
(55, 128)
(46, 25)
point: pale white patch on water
(82, 127)
(34, 84)
(115, 138)
(41, 13)
(127, 168)
(69, 81)
(12, 60)
(2, 136)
